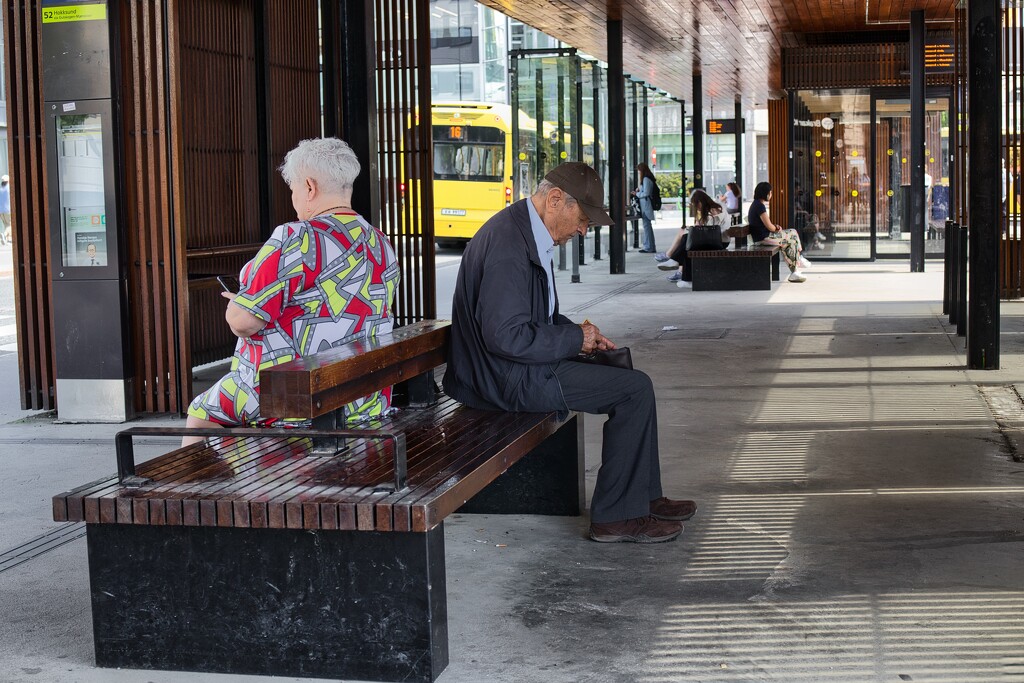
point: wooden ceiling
(735, 44)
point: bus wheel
(452, 244)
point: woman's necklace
(330, 211)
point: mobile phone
(230, 283)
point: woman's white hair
(328, 161)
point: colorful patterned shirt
(317, 283)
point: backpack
(656, 197)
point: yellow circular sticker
(927, 152)
(931, 160)
(522, 156)
(854, 193)
(854, 152)
(817, 193)
(904, 160)
(889, 152)
(563, 155)
(817, 153)
(889, 193)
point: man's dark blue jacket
(503, 344)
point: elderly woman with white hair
(326, 279)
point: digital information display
(723, 126)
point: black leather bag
(704, 238)
(617, 358)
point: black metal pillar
(595, 72)
(576, 117)
(560, 151)
(632, 162)
(984, 64)
(330, 62)
(646, 145)
(739, 148)
(538, 116)
(616, 149)
(698, 131)
(682, 159)
(917, 188)
(357, 70)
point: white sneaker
(804, 263)
(684, 284)
(820, 236)
(795, 276)
(668, 264)
(661, 256)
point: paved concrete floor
(861, 505)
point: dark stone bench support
(287, 602)
(547, 481)
(743, 269)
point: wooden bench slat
(279, 486)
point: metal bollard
(947, 269)
(961, 324)
(954, 273)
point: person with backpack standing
(650, 201)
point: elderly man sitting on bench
(512, 350)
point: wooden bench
(748, 267)
(316, 552)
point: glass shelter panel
(892, 164)
(544, 92)
(83, 220)
(851, 172)
(831, 174)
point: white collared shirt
(545, 250)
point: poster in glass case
(83, 228)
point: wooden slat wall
(219, 160)
(1011, 253)
(29, 208)
(778, 159)
(847, 66)
(403, 101)
(220, 136)
(294, 109)
(161, 380)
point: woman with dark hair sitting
(706, 212)
(765, 232)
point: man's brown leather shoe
(673, 510)
(639, 530)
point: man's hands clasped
(593, 340)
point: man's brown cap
(583, 183)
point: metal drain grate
(42, 544)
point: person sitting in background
(324, 280)
(5, 209)
(705, 211)
(763, 231)
(731, 198)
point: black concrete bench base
(289, 602)
(549, 480)
(742, 269)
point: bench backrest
(323, 382)
(738, 231)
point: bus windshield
(469, 153)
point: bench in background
(312, 552)
(748, 267)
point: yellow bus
(474, 166)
